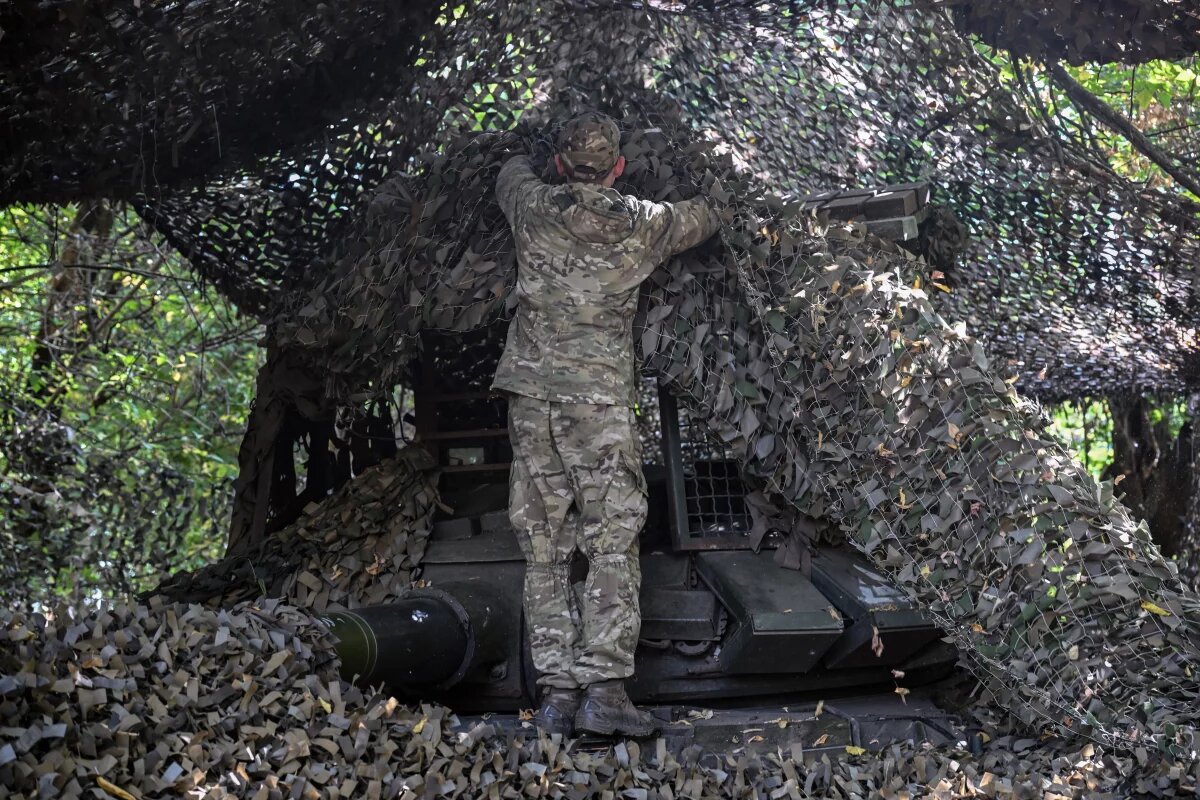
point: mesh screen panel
(713, 489)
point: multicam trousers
(577, 482)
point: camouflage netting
(174, 700)
(240, 698)
(841, 389)
(1081, 32)
(110, 99)
(255, 157)
(358, 548)
(81, 534)
(1078, 277)
(839, 386)
(822, 357)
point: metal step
(802, 731)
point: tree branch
(1120, 124)
(99, 268)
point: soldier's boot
(557, 712)
(607, 710)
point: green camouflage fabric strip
(582, 251)
(577, 482)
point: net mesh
(1076, 278)
(1082, 32)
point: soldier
(583, 249)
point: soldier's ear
(619, 167)
(558, 163)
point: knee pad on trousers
(549, 571)
(611, 560)
(553, 567)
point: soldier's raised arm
(516, 174)
(675, 227)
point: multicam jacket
(582, 252)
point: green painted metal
(420, 641)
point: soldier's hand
(508, 141)
(714, 189)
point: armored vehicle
(723, 624)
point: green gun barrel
(430, 639)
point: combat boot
(607, 710)
(557, 713)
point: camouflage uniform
(582, 251)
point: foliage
(1085, 427)
(123, 391)
(1158, 97)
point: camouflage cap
(589, 144)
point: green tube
(415, 643)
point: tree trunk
(69, 304)
(1154, 469)
(291, 411)
(1189, 555)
